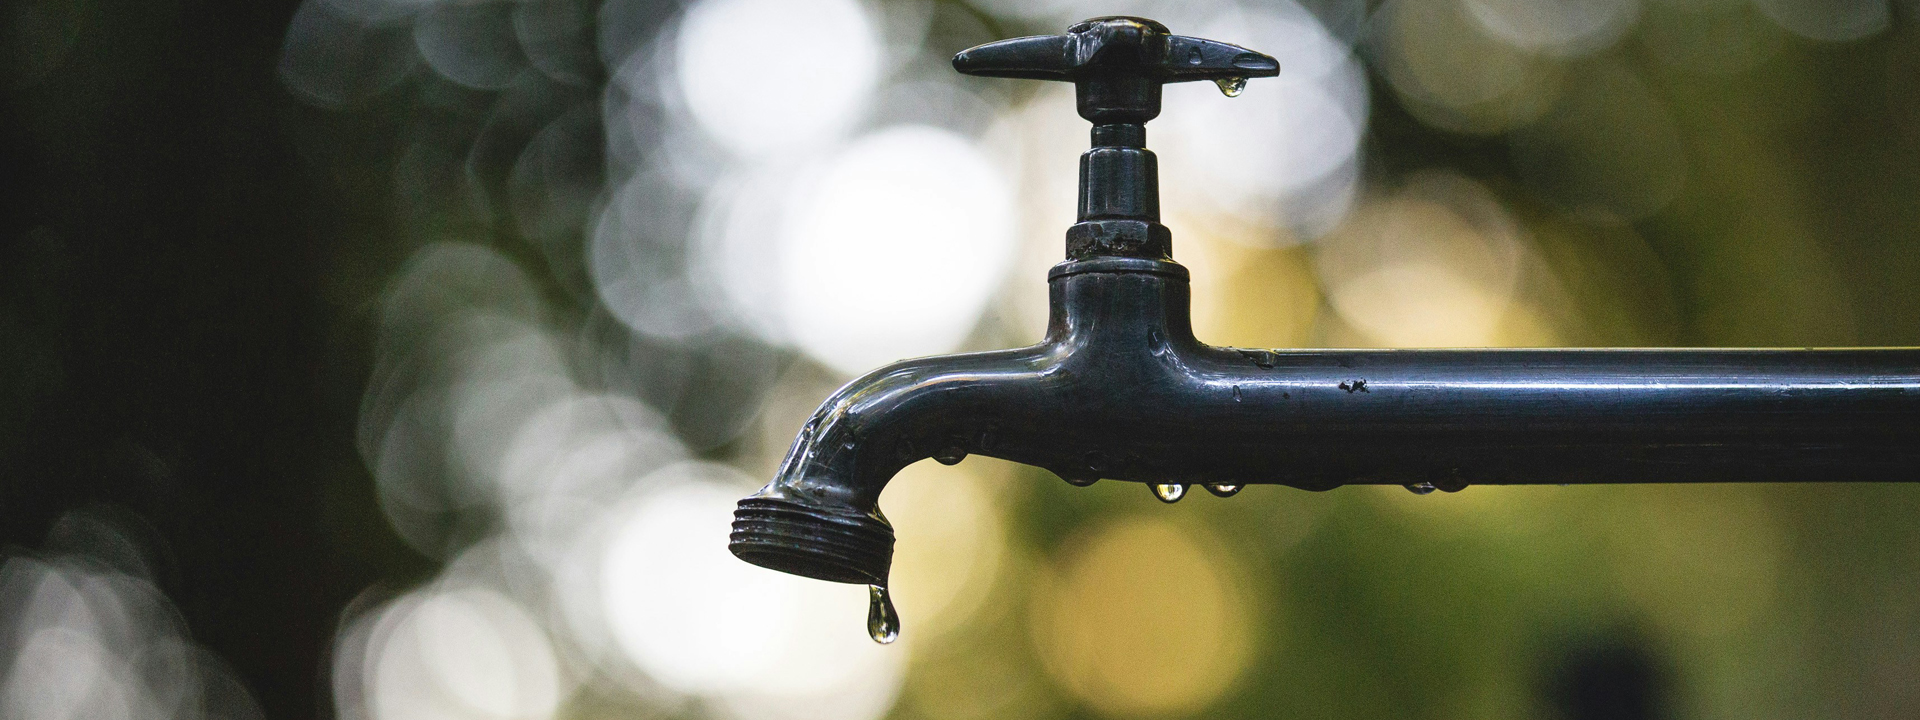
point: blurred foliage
(193, 266)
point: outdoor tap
(1121, 389)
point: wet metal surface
(1121, 389)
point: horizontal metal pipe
(1562, 416)
(1121, 389)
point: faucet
(1121, 389)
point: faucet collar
(1166, 268)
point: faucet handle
(1117, 64)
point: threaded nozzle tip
(837, 545)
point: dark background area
(163, 344)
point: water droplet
(883, 624)
(1193, 56)
(950, 456)
(1236, 393)
(1169, 492)
(1421, 488)
(1080, 481)
(1231, 86)
(1224, 490)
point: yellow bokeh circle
(1143, 617)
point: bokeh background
(383, 359)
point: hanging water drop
(1231, 86)
(1080, 481)
(883, 624)
(1169, 492)
(1220, 490)
(950, 456)
(1421, 488)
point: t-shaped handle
(1117, 64)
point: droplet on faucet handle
(1231, 86)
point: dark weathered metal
(1117, 65)
(1121, 389)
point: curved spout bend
(820, 515)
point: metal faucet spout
(1120, 388)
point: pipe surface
(1121, 389)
